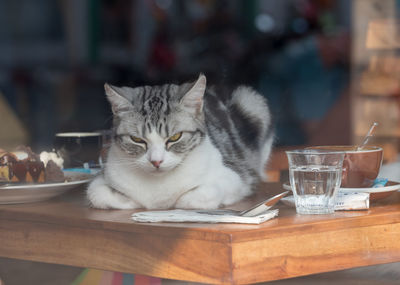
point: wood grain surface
(65, 231)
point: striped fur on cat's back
(184, 146)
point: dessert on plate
(23, 165)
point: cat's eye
(175, 137)
(137, 140)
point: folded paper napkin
(352, 201)
(201, 216)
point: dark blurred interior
(55, 57)
(329, 69)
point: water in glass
(315, 188)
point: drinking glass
(315, 177)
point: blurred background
(329, 69)
(307, 57)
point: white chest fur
(203, 166)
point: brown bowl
(360, 167)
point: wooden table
(65, 231)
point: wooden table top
(65, 231)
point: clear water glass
(315, 177)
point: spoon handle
(368, 136)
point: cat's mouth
(158, 170)
(161, 170)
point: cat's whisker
(108, 119)
(125, 163)
(121, 163)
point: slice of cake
(53, 166)
(23, 165)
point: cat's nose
(156, 163)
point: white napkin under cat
(201, 216)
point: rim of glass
(314, 151)
(78, 134)
(368, 148)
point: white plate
(26, 193)
(390, 186)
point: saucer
(376, 193)
(28, 193)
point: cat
(183, 146)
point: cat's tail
(255, 106)
(265, 155)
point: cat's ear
(193, 99)
(118, 102)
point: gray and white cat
(183, 146)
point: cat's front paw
(101, 196)
(200, 198)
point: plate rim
(38, 186)
(33, 193)
(394, 187)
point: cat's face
(157, 127)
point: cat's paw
(200, 198)
(101, 196)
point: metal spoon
(253, 211)
(368, 136)
(263, 206)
